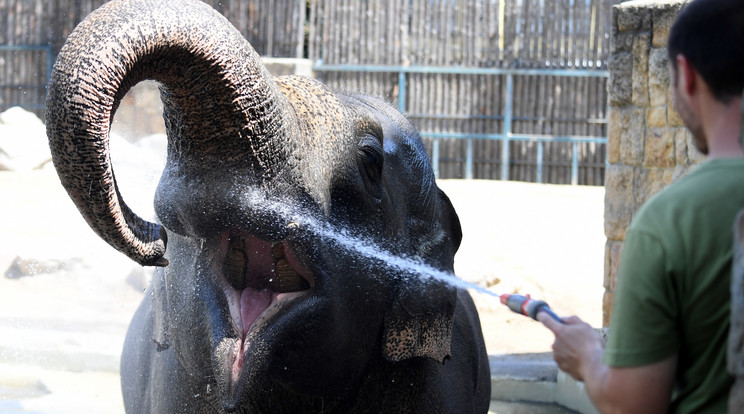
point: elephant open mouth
(261, 278)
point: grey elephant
(274, 193)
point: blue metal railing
(507, 135)
(48, 73)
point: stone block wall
(648, 145)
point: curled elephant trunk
(221, 107)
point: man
(669, 328)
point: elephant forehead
(326, 138)
(324, 117)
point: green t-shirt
(673, 286)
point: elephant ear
(450, 222)
(419, 324)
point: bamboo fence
(522, 34)
(33, 31)
(534, 34)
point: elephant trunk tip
(147, 247)
(158, 259)
(159, 262)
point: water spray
(523, 305)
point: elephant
(274, 190)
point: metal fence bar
(507, 127)
(539, 161)
(506, 136)
(540, 139)
(46, 48)
(460, 70)
(469, 160)
(402, 92)
(49, 65)
(516, 137)
(435, 157)
(574, 163)
(501, 118)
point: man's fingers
(571, 320)
(548, 321)
(552, 324)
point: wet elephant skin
(257, 305)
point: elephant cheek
(312, 342)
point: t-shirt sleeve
(643, 326)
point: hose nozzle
(525, 305)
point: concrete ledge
(535, 379)
(521, 407)
(288, 66)
(572, 394)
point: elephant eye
(371, 157)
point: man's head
(707, 39)
(710, 34)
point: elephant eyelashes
(371, 157)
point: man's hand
(577, 347)
(578, 350)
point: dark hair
(710, 34)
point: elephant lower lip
(257, 276)
(259, 279)
(255, 308)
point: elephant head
(264, 303)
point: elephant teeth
(235, 263)
(286, 278)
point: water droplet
(346, 239)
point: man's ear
(686, 76)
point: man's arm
(578, 351)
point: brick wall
(648, 145)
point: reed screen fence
(500, 89)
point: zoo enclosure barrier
(466, 119)
(452, 65)
(27, 72)
(506, 136)
(33, 31)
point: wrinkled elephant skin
(262, 303)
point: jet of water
(256, 198)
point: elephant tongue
(252, 303)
